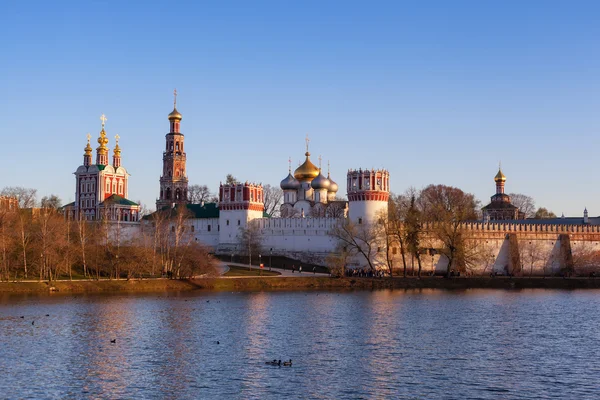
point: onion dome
(333, 187)
(500, 176)
(102, 141)
(290, 183)
(320, 182)
(307, 171)
(175, 115)
(88, 148)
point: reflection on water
(383, 344)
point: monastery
(311, 208)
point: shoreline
(253, 284)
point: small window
(239, 222)
(394, 250)
(209, 228)
(193, 228)
(227, 222)
(218, 228)
(360, 221)
(173, 229)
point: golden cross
(290, 164)
(103, 119)
(117, 137)
(175, 98)
(307, 141)
(328, 167)
(89, 137)
(320, 161)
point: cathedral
(101, 189)
(309, 193)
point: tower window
(193, 228)
(360, 220)
(177, 146)
(227, 222)
(239, 222)
(209, 228)
(173, 229)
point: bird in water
(274, 362)
(287, 363)
(32, 322)
(113, 341)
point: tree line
(38, 242)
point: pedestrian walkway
(283, 272)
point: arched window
(177, 194)
(168, 193)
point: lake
(478, 344)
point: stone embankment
(296, 283)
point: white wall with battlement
(286, 235)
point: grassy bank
(287, 283)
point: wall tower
(238, 205)
(368, 194)
(174, 181)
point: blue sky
(436, 92)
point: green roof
(116, 199)
(206, 210)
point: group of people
(364, 273)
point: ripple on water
(387, 344)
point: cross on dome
(117, 137)
(88, 136)
(103, 119)
(320, 159)
(290, 164)
(175, 98)
(307, 142)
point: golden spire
(88, 147)
(117, 150)
(175, 114)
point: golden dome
(307, 171)
(102, 141)
(175, 114)
(500, 176)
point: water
(387, 344)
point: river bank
(296, 283)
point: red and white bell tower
(174, 181)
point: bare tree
(273, 198)
(357, 240)
(198, 194)
(531, 254)
(413, 229)
(524, 203)
(51, 202)
(446, 208)
(544, 213)
(26, 197)
(250, 240)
